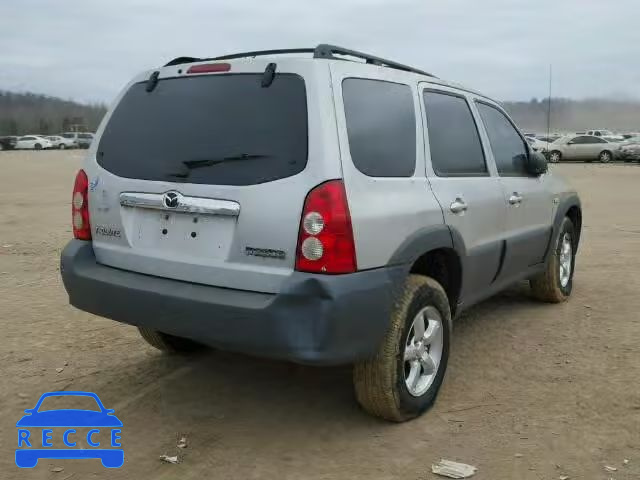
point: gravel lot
(533, 391)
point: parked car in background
(548, 138)
(33, 142)
(630, 149)
(61, 142)
(599, 133)
(606, 134)
(627, 136)
(8, 143)
(583, 147)
(539, 145)
(81, 139)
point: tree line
(569, 115)
(31, 113)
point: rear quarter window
(381, 126)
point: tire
(555, 156)
(168, 343)
(550, 286)
(605, 156)
(37, 146)
(1, 147)
(61, 146)
(381, 382)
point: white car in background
(81, 139)
(61, 142)
(538, 145)
(33, 142)
(606, 134)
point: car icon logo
(171, 199)
(40, 428)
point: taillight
(325, 241)
(80, 207)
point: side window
(509, 150)
(456, 149)
(599, 140)
(381, 126)
(587, 140)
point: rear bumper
(315, 319)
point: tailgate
(203, 178)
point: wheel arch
(569, 206)
(574, 212)
(436, 252)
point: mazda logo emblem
(171, 199)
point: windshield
(261, 133)
(75, 402)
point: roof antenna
(549, 104)
(268, 75)
(152, 81)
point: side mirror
(536, 164)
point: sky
(88, 50)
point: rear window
(381, 126)
(209, 129)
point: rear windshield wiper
(193, 164)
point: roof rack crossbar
(321, 51)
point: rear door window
(456, 149)
(381, 126)
(209, 129)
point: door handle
(515, 198)
(458, 206)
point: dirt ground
(533, 391)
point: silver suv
(328, 207)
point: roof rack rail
(321, 51)
(329, 51)
(261, 53)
